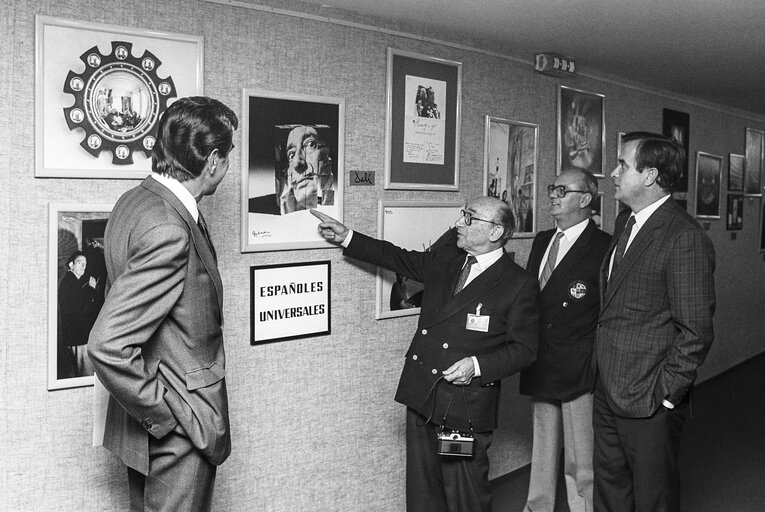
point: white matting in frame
(123, 88)
(413, 225)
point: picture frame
(276, 192)
(676, 126)
(290, 301)
(619, 137)
(755, 145)
(581, 130)
(736, 165)
(708, 185)
(596, 214)
(100, 90)
(510, 169)
(762, 226)
(423, 119)
(413, 225)
(735, 212)
(74, 300)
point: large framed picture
(708, 185)
(735, 216)
(581, 130)
(100, 91)
(736, 172)
(755, 140)
(413, 225)
(676, 126)
(292, 161)
(762, 226)
(76, 281)
(289, 301)
(422, 132)
(510, 169)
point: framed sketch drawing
(292, 160)
(581, 130)
(755, 140)
(510, 169)
(100, 91)
(736, 172)
(76, 281)
(735, 213)
(708, 185)
(422, 132)
(413, 225)
(676, 125)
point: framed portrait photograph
(708, 185)
(675, 126)
(422, 131)
(76, 281)
(100, 91)
(581, 130)
(735, 215)
(510, 169)
(292, 161)
(753, 166)
(413, 225)
(736, 165)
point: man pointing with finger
(478, 324)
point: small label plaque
(363, 178)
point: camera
(455, 443)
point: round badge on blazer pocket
(577, 290)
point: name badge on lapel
(477, 322)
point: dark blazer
(569, 305)
(505, 292)
(157, 345)
(655, 325)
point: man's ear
(493, 236)
(212, 160)
(585, 200)
(650, 174)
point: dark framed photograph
(762, 226)
(289, 301)
(596, 214)
(708, 185)
(292, 161)
(581, 130)
(735, 216)
(736, 165)
(510, 169)
(676, 127)
(76, 281)
(422, 132)
(755, 140)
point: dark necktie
(551, 258)
(464, 274)
(621, 245)
(203, 227)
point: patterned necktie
(203, 227)
(621, 245)
(551, 258)
(464, 274)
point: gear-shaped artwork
(117, 101)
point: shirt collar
(487, 259)
(179, 191)
(574, 232)
(643, 215)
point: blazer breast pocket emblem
(577, 290)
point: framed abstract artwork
(735, 214)
(708, 185)
(581, 130)
(755, 145)
(676, 126)
(736, 165)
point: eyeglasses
(561, 190)
(469, 218)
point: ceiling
(709, 49)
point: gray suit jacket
(157, 345)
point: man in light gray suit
(157, 345)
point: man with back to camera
(567, 262)
(478, 324)
(655, 329)
(157, 345)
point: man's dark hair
(654, 150)
(189, 130)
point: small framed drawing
(735, 216)
(676, 125)
(422, 132)
(76, 281)
(289, 301)
(510, 169)
(292, 160)
(413, 225)
(100, 91)
(708, 185)
(619, 137)
(596, 214)
(581, 130)
(755, 140)
(736, 172)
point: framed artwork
(596, 214)
(422, 131)
(292, 160)
(510, 169)
(100, 91)
(581, 130)
(753, 166)
(735, 216)
(619, 136)
(289, 301)
(736, 172)
(708, 185)
(676, 125)
(762, 226)
(413, 225)
(76, 281)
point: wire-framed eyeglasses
(469, 218)
(561, 190)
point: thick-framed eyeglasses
(469, 218)
(561, 190)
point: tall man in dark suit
(157, 345)
(567, 261)
(478, 324)
(654, 330)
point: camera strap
(432, 408)
(467, 411)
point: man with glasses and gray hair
(478, 324)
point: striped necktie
(464, 274)
(551, 258)
(621, 245)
